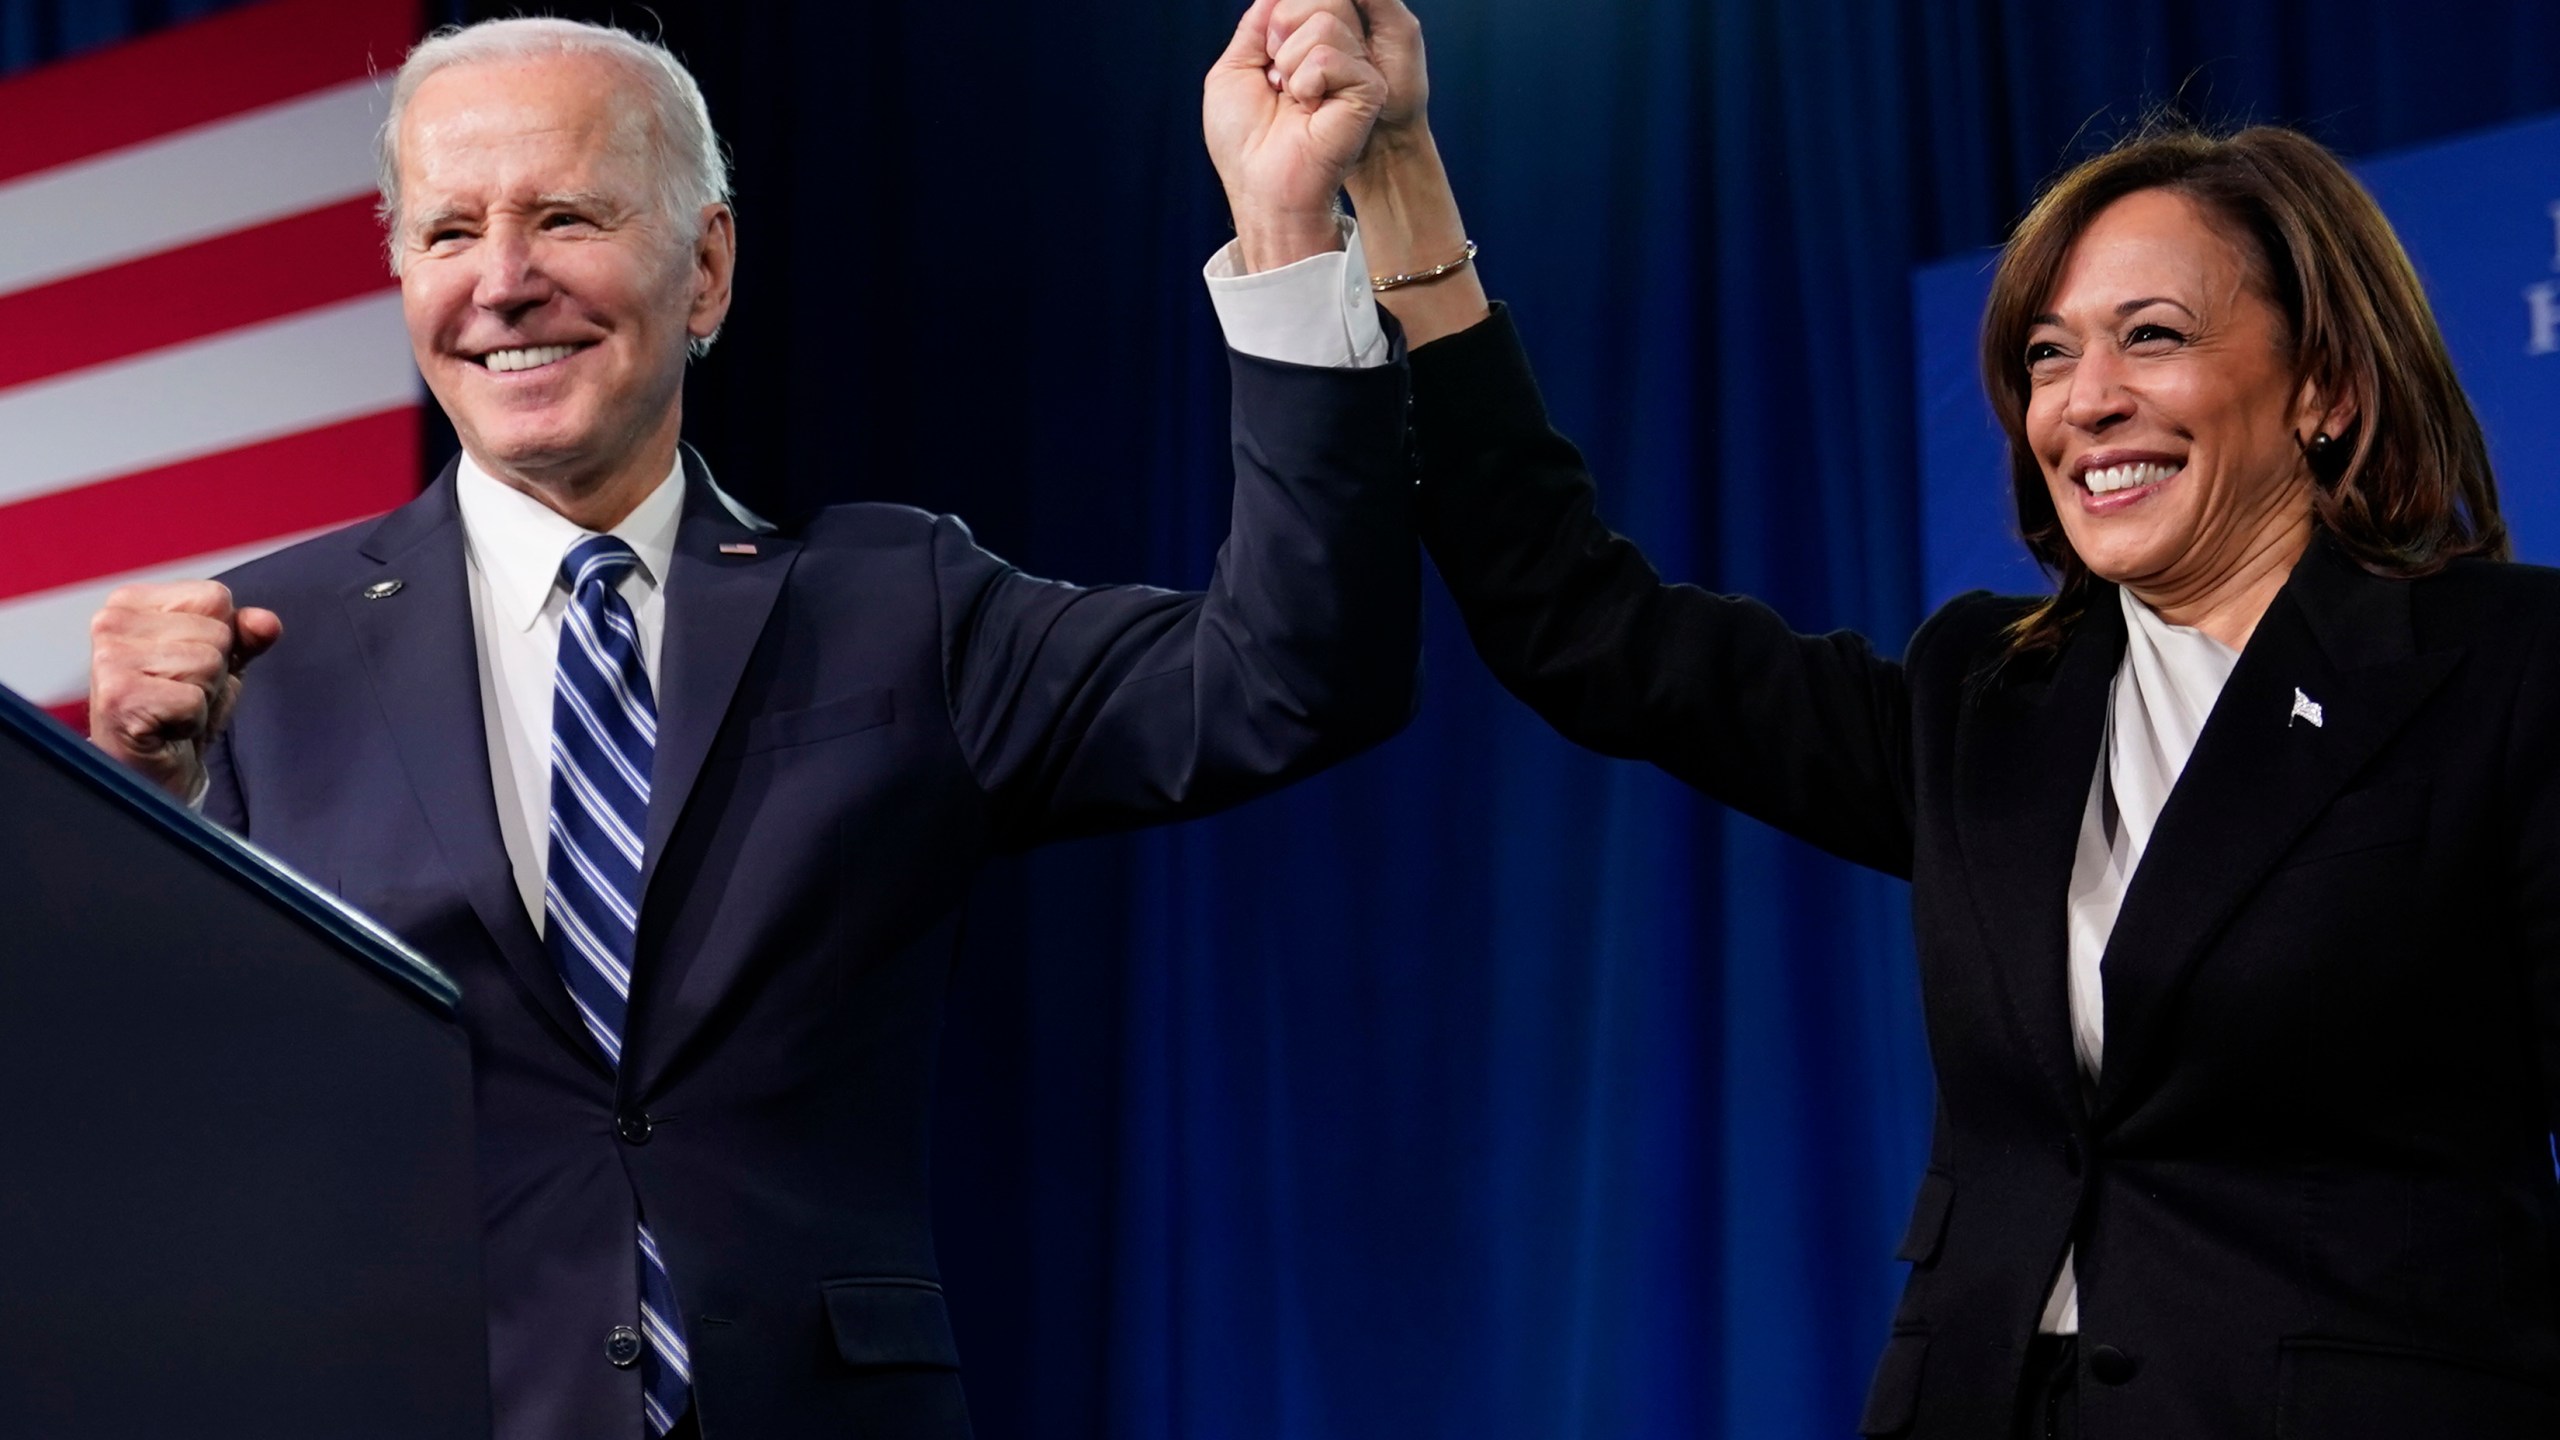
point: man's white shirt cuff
(1318, 311)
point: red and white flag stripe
(201, 354)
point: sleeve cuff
(1317, 312)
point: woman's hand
(1395, 47)
(1409, 220)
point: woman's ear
(2315, 414)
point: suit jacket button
(634, 1129)
(622, 1347)
(2111, 1366)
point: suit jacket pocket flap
(859, 711)
(1928, 1218)
(1894, 1397)
(891, 1322)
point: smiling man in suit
(688, 803)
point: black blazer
(853, 716)
(2313, 1191)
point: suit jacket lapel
(424, 666)
(2026, 754)
(2336, 637)
(717, 601)
(721, 587)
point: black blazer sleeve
(1088, 709)
(1811, 733)
(2532, 784)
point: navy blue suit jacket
(853, 718)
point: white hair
(685, 158)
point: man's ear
(715, 266)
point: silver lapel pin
(2304, 708)
(382, 590)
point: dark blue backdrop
(1483, 1088)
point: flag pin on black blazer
(382, 589)
(737, 547)
(2304, 708)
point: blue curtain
(1481, 1088)
(33, 32)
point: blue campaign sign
(2480, 216)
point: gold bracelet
(1383, 283)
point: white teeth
(2125, 477)
(506, 361)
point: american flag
(201, 354)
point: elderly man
(688, 803)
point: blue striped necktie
(604, 732)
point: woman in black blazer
(2235, 864)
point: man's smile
(524, 357)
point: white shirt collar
(518, 542)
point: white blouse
(2156, 708)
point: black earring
(2322, 442)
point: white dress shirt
(513, 545)
(2156, 707)
(1316, 312)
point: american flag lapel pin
(737, 547)
(2304, 708)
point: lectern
(236, 1186)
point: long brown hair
(2408, 487)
